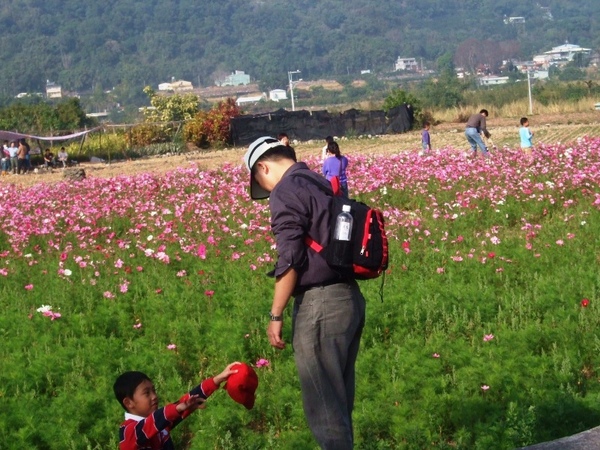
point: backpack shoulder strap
(322, 187)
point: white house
(561, 54)
(514, 19)
(53, 90)
(250, 99)
(492, 80)
(176, 86)
(406, 64)
(277, 94)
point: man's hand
(192, 404)
(274, 333)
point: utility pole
(290, 78)
(529, 91)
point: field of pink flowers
(487, 336)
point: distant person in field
(23, 151)
(28, 154)
(335, 166)
(63, 157)
(476, 126)
(328, 140)
(5, 158)
(48, 159)
(285, 140)
(329, 309)
(13, 153)
(426, 138)
(526, 135)
(147, 426)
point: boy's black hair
(127, 383)
(524, 120)
(329, 139)
(484, 111)
(426, 124)
(280, 136)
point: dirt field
(547, 129)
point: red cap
(242, 385)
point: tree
(170, 108)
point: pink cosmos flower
(201, 252)
(171, 347)
(209, 293)
(118, 263)
(252, 267)
(28, 287)
(435, 355)
(262, 362)
(137, 325)
(158, 291)
(124, 287)
(108, 294)
(440, 270)
(139, 268)
(484, 387)
(488, 337)
(181, 273)
(585, 302)
(560, 242)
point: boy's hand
(192, 404)
(227, 372)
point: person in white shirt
(324, 154)
(63, 156)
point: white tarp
(12, 136)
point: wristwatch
(275, 318)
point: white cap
(258, 148)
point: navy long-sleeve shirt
(299, 208)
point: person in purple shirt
(426, 138)
(335, 166)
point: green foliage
(126, 45)
(400, 97)
(146, 134)
(170, 108)
(36, 116)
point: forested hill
(129, 43)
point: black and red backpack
(369, 241)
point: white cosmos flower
(67, 272)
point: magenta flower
(209, 293)
(262, 362)
(201, 252)
(488, 337)
(28, 287)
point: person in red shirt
(147, 426)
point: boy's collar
(129, 416)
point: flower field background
(486, 338)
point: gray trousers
(327, 325)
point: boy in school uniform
(147, 426)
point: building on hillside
(176, 86)
(250, 99)
(514, 20)
(53, 90)
(237, 78)
(406, 64)
(560, 55)
(277, 94)
(492, 80)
